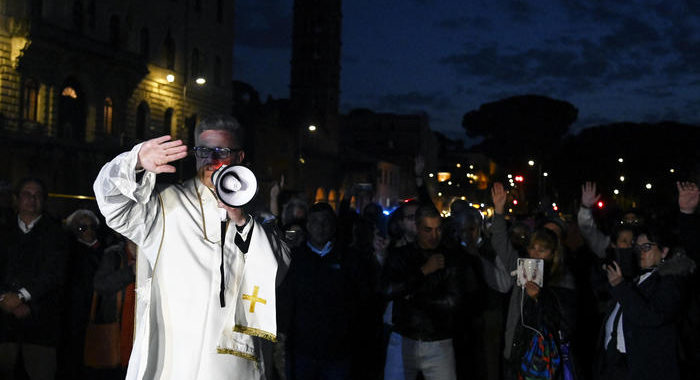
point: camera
(530, 270)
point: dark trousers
(614, 365)
(302, 367)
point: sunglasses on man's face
(217, 152)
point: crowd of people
(358, 294)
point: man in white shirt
(191, 324)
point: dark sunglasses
(216, 153)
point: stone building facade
(82, 80)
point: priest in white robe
(189, 323)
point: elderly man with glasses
(209, 295)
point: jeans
(393, 366)
(434, 359)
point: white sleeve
(130, 207)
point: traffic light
(601, 204)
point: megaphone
(235, 185)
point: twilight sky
(632, 60)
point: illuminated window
(444, 176)
(30, 100)
(69, 92)
(107, 116)
(320, 195)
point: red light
(518, 178)
(555, 208)
(515, 201)
(600, 204)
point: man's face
(408, 223)
(321, 228)
(650, 254)
(30, 200)
(217, 139)
(429, 232)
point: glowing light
(555, 208)
(519, 178)
(471, 166)
(672, 170)
(69, 92)
(515, 202)
(386, 212)
(170, 78)
(510, 210)
(622, 178)
(616, 191)
(431, 175)
(463, 198)
(443, 176)
(459, 165)
(312, 128)
(439, 194)
(510, 176)
(545, 174)
(620, 160)
(449, 183)
(601, 204)
(648, 186)
(531, 163)
(200, 81)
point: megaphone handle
(222, 286)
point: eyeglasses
(85, 227)
(646, 247)
(217, 153)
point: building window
(78, 17)
(30, 101)
(145, 43)
(217, 71)
(108, 116)
(142, 117)
(220, 11)
(195, 62)
(114, 30)
(168, 121)
(169, 52)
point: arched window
(168, 121)
(217, 71)
(142, 120)
(107, 116)
(320, 195)
(195, 62)
(114, 31)
(145, 44)
(30, 101)
(78, 17)
(169, 52)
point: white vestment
(182, 332)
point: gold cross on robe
(254, 298)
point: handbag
(102, 340)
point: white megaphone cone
(235, 185)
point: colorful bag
(541, 360)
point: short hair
(80, 213)
(38, 181)
(426, 211)
(657, 233)
(220, 123)
(321, 207)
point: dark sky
(629, 60)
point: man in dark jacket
(422, 279)
(31, 276)
(324, 294)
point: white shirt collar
(27, 227)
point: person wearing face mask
(206, 301)
(552, 306)
(639, 337)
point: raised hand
(588, 194)
(614, 274)
(156, 154)
(498, 194)
(688, 195)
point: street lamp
(531, 163)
